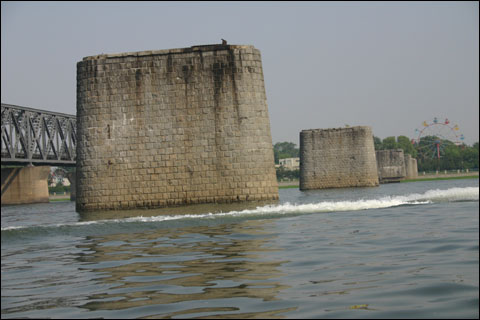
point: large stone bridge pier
(172, 127)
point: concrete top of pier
(202, 48)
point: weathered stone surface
(391, 165)
(336, 158)
(170, 127)
(25, 185)
(411, 167)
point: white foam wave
(12, 228)
(453, 194)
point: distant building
(290, 163)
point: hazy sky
(387, 65)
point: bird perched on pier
(224, 42)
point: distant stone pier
(394, 165)
(411, 167)
(391, 165)
(337, 158)
(173, 127)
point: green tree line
(283, 150)
(59, 188)
(283, 174)
(452, 156)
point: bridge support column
(71, 176)
(25, 185)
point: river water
(405, 250)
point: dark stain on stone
(187, 72)
(232, 73)
(138, 76)
(138, 83)
(221, 69)
(201, 58)
(169, 63)
(218, 69)
(139, 107)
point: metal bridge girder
(37, 136)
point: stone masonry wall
(171, 127)
(335, 158)
(411, 168)
(391, 165)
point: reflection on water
(218, 266)
(302, 259)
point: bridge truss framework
(38, 137)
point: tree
(389, 143)
(453, 157)
(50, 178)
(282, 174)
(377, 142)
(470, 156)
(406, 145)
(59, 188)
(282, 150)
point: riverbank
(59, 197)
(426, 177)
(443, 177)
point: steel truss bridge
(37, 137)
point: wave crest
(449, 195)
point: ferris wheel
(434, 135)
